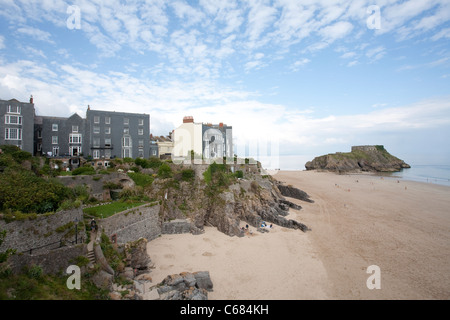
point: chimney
(221, 125)
(31, 99)
(188, 119)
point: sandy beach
(356, 221)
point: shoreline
(390, 175)
(356, 221)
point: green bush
(83, 171)
(239, 174)
(140, 179)
(34, 272)
(153, 163)
(24, 191)
(187, 174)
(164, 171)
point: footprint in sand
(169, 256)
(207, 254)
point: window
(75, 138)
(55, 127)
(141, 143)
(107, 130)
(126, 121)
(55, 151)
(108, 143)
(107, 154)
(126, 141)
(13, 119)
(75, 129)
(13, 134)
(96, 154)
(14, 109)
(107, 120)
(126, 130)
(140, 153)
(75, 151)
(39, 134)
(96, 129)
(127, 153)
(154, 152)
(96, 119)
(141, 132)
(141, 122)
(96, 142)
(54, 139)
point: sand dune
(356, 220)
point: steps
(90, 248)
(91, 256)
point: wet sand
(403, 227)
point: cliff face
(361, 158)
(253, 200)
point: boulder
(103, 280)
(185, 286)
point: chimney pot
(188, 119)
(31, 99)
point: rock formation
(255, 199)
(361, 158)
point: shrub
(34, 272)
(239, 174)
(187, 174)
(83, 171)
(24, 191)
(141, 179)
(164, 171)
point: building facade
(208, 141)
(118, 134)
(17, 124)
(101, 135)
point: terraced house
(101, 135)
(17, 124)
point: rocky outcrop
(253, 199)
(292, 192)
(186, 286)
(361, 158)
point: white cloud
(300, 63)
(340, 29)
(36, 34)
(376, 53)
(444, 33)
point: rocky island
(362, 158)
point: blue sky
(303, 77)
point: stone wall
(132, 224)
(176, 226)
(364, 148)
(44, 233)
(95, 182)
(53, 262)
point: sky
(294, 78)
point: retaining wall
(132, 224)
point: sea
(437, 174)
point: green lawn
(104, 211)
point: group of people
(265, 225)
